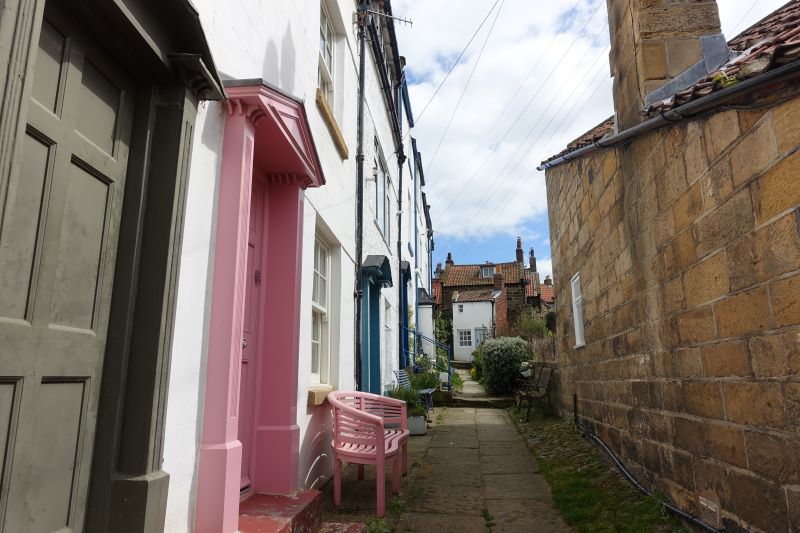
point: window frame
(382, 189)
(327, 46)
(320, 313)
(460, 308)
(491, 272)
(464, 341)
(577, 310)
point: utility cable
(453, 66)
(466, 86)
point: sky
(533, 78)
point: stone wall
(688, 249)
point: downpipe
(680, 513)
(358, 292)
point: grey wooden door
(59, 218)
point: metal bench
(531, 390)
(360, 436)
(405, 383)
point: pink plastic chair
(360, 436)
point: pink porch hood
(266, 132)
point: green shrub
(457, 382)
(501, 360)
(414, 403)
(427, 379)
(477, 362)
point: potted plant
(417, 421)
(415, 410)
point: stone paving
(476, 472)
(472, 472)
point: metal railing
(415, 351)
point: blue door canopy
(377, 267)
(405, 271)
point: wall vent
(709, 512)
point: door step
(266, 513)
(333, 527)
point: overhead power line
(466, 86)
(453, 66)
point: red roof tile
(532, 288)
(593, 135)
(465, 275)
(436, 288)
(770, 43)
(547, 292)
(472, 296)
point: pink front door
(250, 330)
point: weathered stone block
(721, 129)
(726, 443)
(673, 295)
(679, 466)
(793, 499)
(696, 325)
(653, 60)
(703, 398)
(717, 183)
(775, 457)
(778, 189)
(671, 183)
(687, 207)
(756, 403)
(792, 401)
(672, 395)
(679, 20)
(694, 152)
(686, 363)
(682, 54)
(706, 281)
(727, 358)
(786, 301)
(753, 153)
(749, 117)
(758, 502)
(728, 222)
(742, 313)
(690, 434)
(776, 355)
(786, 123)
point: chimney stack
(438, 271)
(533, 261)
(547, 280)
(449, 260)
(520, 254)
(652, 42)
(499, 282)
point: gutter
(685, 112)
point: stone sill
(317, 394)
(333, 128)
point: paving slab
(441, 523)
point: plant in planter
(415, 412)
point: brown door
(59, 223)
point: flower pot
(417, 425)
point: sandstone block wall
(688, 246)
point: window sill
(317, 394)
(581, 345)
(330, 121)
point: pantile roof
(464, 275)
(592, 136)
(547, 293)
(436, 289)
(532, 288)
(473, 296)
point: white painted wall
(475, 315)
(425, 326)
(278, 41)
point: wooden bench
(404, 382)
(531, 389)
(361, 436)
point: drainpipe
(403, 311)
(358, 293)
(412, 169)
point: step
(479, 402)
(266, 513)
(335, 527)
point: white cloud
(477, 186)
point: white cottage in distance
(474, 318)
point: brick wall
(690, 277)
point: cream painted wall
(475, 315)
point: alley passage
(475, 474)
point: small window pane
(464, 337)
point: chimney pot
(520, 254)
(532, 261)
(499, 282)
(547, 280)
(449, 260)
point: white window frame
(327, 47)
(465, 338)
(487, 271)
(382, 189)
(577, 310)
(460, 308)
(320, 334)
